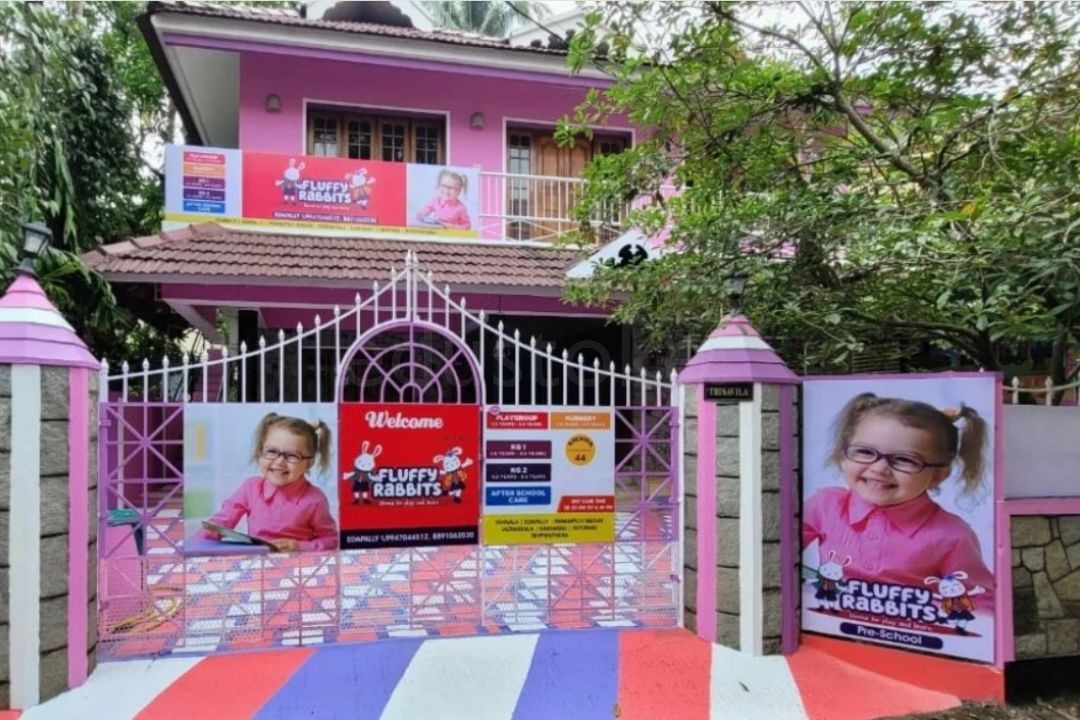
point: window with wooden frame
(535, 152)
(362, 136)
(609, 144)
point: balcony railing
(535, 207)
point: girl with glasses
(445, 209)
(281, 505)
(892, 453)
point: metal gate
(407, 340)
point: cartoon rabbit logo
(362, 475)
(360, 186)
(453, 475)
(956, 604)
(829, 582)
(289, 181)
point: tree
(488, 18)
(80, 100)
(894, 172)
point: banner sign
(898, 511)
(409, 475)
(549, 475)
(263, 475)
(271, 189)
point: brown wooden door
(551, 198)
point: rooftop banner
(329, 193)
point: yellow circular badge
(580, 449)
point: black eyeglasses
(290, 458)
(900, 462)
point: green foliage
(77, 92)
(887, 172)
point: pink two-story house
(270, 83)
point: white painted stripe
(734, 342)
(753, 688)
(751, 596)
(33, 316)
(478, 678)
(117, 690)
(24, 539)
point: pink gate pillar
(48, 555)
(741, 546)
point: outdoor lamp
(735, 286)
(273, 103)
(477, 121)
(36, 238)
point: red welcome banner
(409, 474)
(324, 190)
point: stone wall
(1046, 585)
(770, 516)
(54, 530)
(728, 604)
(690, 504)
(728, 517)
(55, 518)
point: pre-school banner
(549, 475)
(274, 189)
(409, 474)
(898, 521)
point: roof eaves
(451, 37)
(157, 51)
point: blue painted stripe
(574, 676)
(342, 682)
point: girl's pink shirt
(451, 213)
(901, 544)
(298, 511)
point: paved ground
(1059, 709)
(559, 675)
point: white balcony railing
(533, 207)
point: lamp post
(735, 286)
(36, 239)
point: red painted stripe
(834, 690)
(663, 674)
(956, 677)
(226, 687)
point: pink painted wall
(364, 85)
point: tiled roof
(279, 16)
(212, 251)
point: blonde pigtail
(323, 439)
(972, 448)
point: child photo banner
(409, 475)
(259, 477)
(898, 511)
(549, 476)
(273, 189)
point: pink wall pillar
(48, 403)
(741, 544)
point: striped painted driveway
(557, 675)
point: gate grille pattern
(154, 600)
